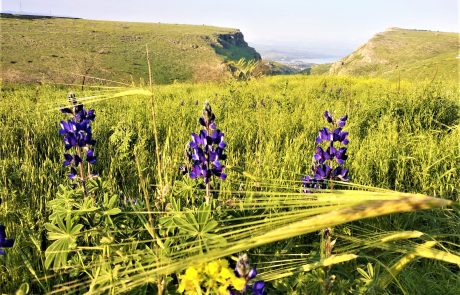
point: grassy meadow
(404, 54)
(64, 50)
(144, 222)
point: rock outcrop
(233, 46)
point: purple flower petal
(8, 243)
(251, 274)
(66, 110)
(90, 158)
(328, 117)
(73, 173)
(91, 115)
(77, 160)
(68, 159)
(258, 288)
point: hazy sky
(327, 24)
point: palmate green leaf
(62, 204)
(113, 211)
(186, 224)
(64, 236)
(199, 228)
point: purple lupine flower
(206, 150)
(324, 167)
(244, 270)
(78, 137)
(68, 159)
(73, 173)
(131, 201)
(183, 170)
(328, 117)
(258, 288)
(324, 135)
(341, 121)
(341, 173)
(322, 172)
(4, 242)
(341, 156)
(90, 157)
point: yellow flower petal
(239, 283)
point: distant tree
(83, 64)
(86, 63)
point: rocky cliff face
(235, 39)
(233, 46)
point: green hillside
(320, 69)
(412, 54)
(58, 49)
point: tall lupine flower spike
(78, 140)
(206, 151)
(328, 162)
(244, 270)
(4, 242)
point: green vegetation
(320, 69)
(276, 68)
(403, 136)
(409, 54)
(59, 50)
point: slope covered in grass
(58, 49)
(412, 54)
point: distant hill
(321, 69)
(37, 48)
(412, 54)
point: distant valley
(298, 58)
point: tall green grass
(404, 138)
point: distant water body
(320, 60)
(323, 60)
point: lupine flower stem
(82, 175)
(208, 185)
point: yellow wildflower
(190, 281)
(239, 283)
(223, 290)
(226, 273)
(213, 269)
